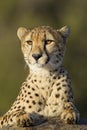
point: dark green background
(31, 13)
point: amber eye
(47, 42)
(29, 42)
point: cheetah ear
(21, 32)
(64, 31)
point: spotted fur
(47, 90)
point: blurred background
(31, 13)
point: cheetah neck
(44, 71)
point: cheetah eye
(29, 42)
(47, 42)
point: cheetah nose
(36, 56)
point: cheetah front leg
(24, 119)
(21, 118)
(18, 117)
(70, 114)
(61, 102)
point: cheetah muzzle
(47, 90)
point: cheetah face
(43, 46)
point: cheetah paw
(24, 120)
(70, 114)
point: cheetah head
(43, 46)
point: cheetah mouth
(40, 62)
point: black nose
(36, 56)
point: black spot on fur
(33, 89)
(28, 86)
(35, 80)
(39, 110)
(23, 107)
(19, 106)
(29, 93)
(62, 98)
(57, 84)
(22, 95)
(30, 106)
(65, 91)
(54, 77)
(33, 102)
(54, 111)
(40, 103)
(15, 107)
(57, 95)
(30, 96)
(11, 120)
(18, 102)
(64, 85)
(59, 77)
(27, 101)
(1, 122)
(58, 88)
(24, 91)
(32, 81)
(37, 95)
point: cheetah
(47, 90)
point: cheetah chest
(42, 84)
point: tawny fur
(47, 90)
